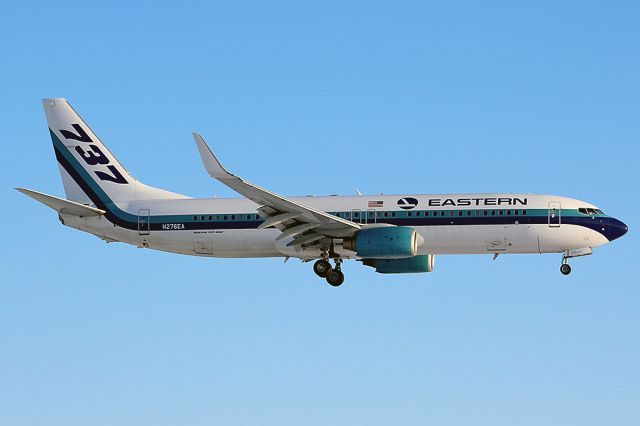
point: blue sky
(322, 98)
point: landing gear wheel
(565, 269)
(335, 277)
(322, 268)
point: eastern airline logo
(94, 155)
(407, 203)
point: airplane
(393, 234)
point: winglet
(209, 159)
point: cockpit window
(589, 211)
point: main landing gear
(323, 269)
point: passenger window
(210, 217)
(410, 214)
(486, 212)
(460, 212)
(393, 214)
(195, 218)
(508, 212)
(493, 212)
(524, 212)
(224, 217)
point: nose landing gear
(565, 268)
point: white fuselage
(446, 224)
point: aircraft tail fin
(91, 174)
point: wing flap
(278, 219)
(305, 239)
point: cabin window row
(379, 215)
(223, 217)
(432, 213)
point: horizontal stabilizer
(61, 205)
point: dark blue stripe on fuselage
(599, 224)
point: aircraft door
(144, 227)
(554, 214)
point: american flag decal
(373, 204)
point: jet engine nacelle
(416, 264)
(390, 242)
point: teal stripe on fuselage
(391, 215)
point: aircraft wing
(306, 224)
(61, 205)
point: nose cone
(615, 229)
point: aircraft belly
(447, 239)
(236, 243)
(567, 237)
(478, 239)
